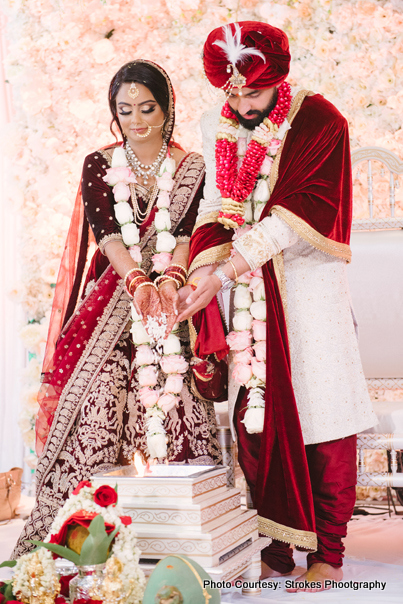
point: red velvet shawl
(313, 195)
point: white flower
(172, 344)
(262, 191)
(248, 212)
(242, 298)
(162, 220)
(130, 234)
(135, 315)
(165, 242)
(242, 320)
(254, 420)
(168, 165)
(258, 310)
(123, 212)
(119, 158)
(258, 211)
(258, 292)
(282, 130)
(157, 446)
(139, 334)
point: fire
(142, 468)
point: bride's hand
(169, 304)
(147, 302)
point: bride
(103, 393)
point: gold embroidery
(280, 532)
(254, 247)
(205, 219)
(192, 335)
(107, 238)
(211, 256)
(278, 264)
(306, 232)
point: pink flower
(266, 166)
(259, 330)
(135, 253)
(148, 397)
(273, 146)
(165, 182)
(259, 369)
(121, 192)
(174, 363)
(257, 273)
(174, 383)
(242, 373)
(120, 174)
(161, 261)
(260, 350)
(144, 355)
(241, 231)
(163, 200)
(239, 340)
(244, 356)
(245, 278)
(147, 376)
(242, 145)
(168, 402)
(255, 281)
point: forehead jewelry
(133, 91)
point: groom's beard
(260, 115)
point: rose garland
(248, 340)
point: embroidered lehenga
(91, 418)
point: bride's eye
(124, 112)
(148, 110)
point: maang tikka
(133, 91)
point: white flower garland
(248, 340)
(21, 579)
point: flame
(142, 468)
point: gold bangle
(194, 282)
(235, 273)
(134, 279)
(178, 266)
(168, 274)
(131, 271)
(167, 278)
(145, 283)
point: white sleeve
(264, 240)
(211, 201)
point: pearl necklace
(143, 170)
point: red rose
(83, 483)
(105, 496)
(126, 520)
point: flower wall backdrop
(63, 53)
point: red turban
(270, 41)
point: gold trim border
(280, 532)
(211, 256)
(308, 233)
(205, 219)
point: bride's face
(137, 115)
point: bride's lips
(137, 130)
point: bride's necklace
(143, 170)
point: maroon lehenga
(90, 417)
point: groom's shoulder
(210, 118)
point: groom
(301, 463)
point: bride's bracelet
(149, 282)
(164, 278)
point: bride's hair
(142, 73)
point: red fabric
(81, 518)
(271, 41)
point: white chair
(376, 285)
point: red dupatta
(311, 191)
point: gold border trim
(280, 532)
(278, 264)
(308, 233)
(206, 219)
(210, 256)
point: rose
(258, 310)
(144, 355)
(148, 397)
(130, 234)
(254, 420)
(147, 376)
(242, 297)
(135, 316)
(168, 165)
(168, 402)
(174, 364)
(121, 192)
(172, 344)
(266, 166)
(259, 330)
(242, 320)
(242, 373)
(161, 261)
(245, 278)
(119, 174)
(119, 158)
(105, 495)
(273, 146)
(157, 446)
(165, 182)
(259, 291)
(139, 333)
(174, 383)
(259, 369)
(123, 212)
(239, 340)
(135, 253)
(262, 191)
(163, 200)
(126, 520)
(257, 273)
(248, 216)
(81, 485)
(162, 220)
(165, 242)
(260, 350)
(254, 282)
(258, 211)
(244, 356)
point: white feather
(233, 48)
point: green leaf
(9, 563)
(95, 547)
(8, 592)
(60, 550)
